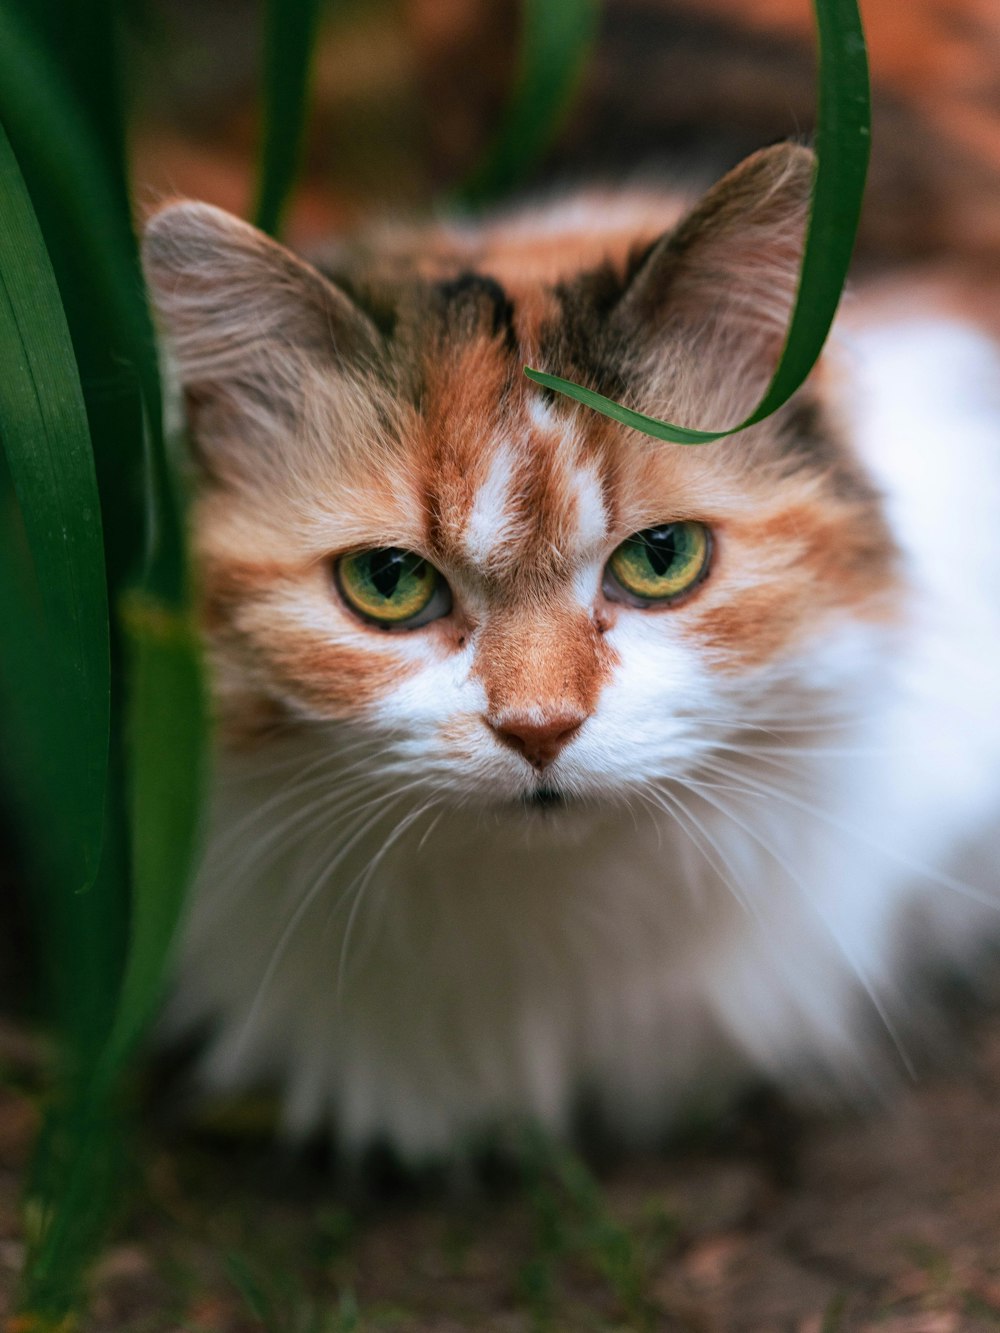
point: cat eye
(392, 588)
(658, 565)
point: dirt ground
(887, 1222)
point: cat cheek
(433, 693)
(340, 681)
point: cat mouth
(544, 798)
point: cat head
(513, 595)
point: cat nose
(538, 742)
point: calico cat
(554, 763)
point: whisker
(765, 791)
(366, 878)
(850, 958)
(727, 871)
(308, 899)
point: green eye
(658, 564)
(392, 587)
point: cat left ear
(733, 263)
(239, 310)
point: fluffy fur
(766, 786)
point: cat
(557, 766)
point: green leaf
(89, 222)
(46, 442)
(105, 950)
(83, 214)
(843, 143)
(167, 772)
(81, 42)
(556, 41)
(291, 27)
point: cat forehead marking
(541, 414)
(591, 512)
(535, 506)
(491, 520)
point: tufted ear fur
(246, 321)
(723, 282)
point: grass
(101, 687)
(542, 1250)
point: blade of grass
(843, 143)
(157, 708)
(83, 940)
(85, 221)
(93, 233)
(166, 728)
(556, 40)
(290, 30)
(72, 1185)
(80, 41)
(46, 441)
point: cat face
(517, 599)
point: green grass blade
(556, 40)
(82, 936)
(88, 221)
(843, 143)
(81, 43)
(46, 442)
(105, 949)
(85, 221)
(166, 730)
(291, 27)
(78, 1174)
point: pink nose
(538, 742)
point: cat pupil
(385, 569)
(661, 549)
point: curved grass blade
(157, 707)
(556, 40)
(81, 42)
(53, 604)
(46, 442)
(290, 33)
(166, 730)
(88, 232)
(94, 220)
(843, 142)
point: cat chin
(534, 818)
(545, 800)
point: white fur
(490, 520)
(374, 933)
(591, 515)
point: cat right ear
(722, 284)
(243, 317)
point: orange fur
(550, 659)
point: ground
(888, 1221)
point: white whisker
(767, 792)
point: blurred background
(408, 93)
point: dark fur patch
(472, 298)
(577, 344)
(377, 302)
(583, 342)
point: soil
(888, 1221)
